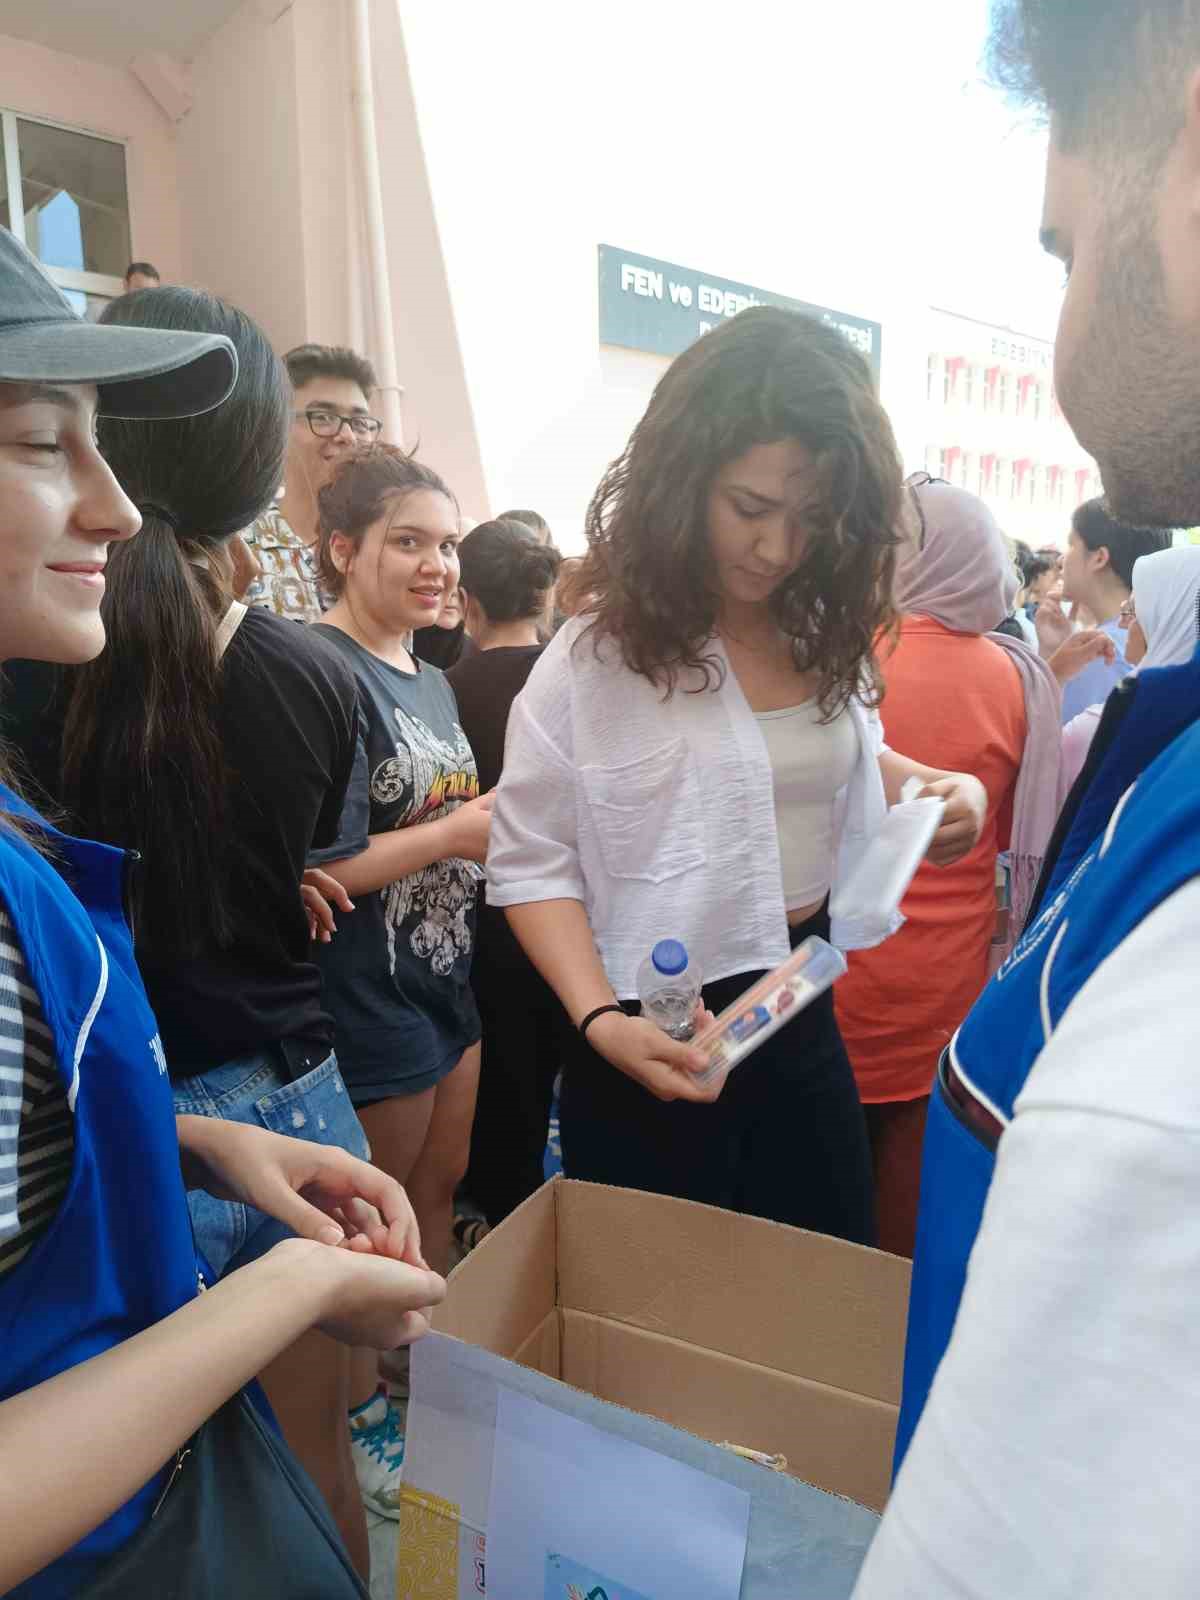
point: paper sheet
(580, 1514)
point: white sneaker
(377, 1445)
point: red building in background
(993, 426)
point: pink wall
(240, 176)
(272, 216)
(110, 101)
(253, 194)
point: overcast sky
(986, 163)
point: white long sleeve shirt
(659, 815)
(1058, 1452)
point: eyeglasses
(328, 424)
(915, 481)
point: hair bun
(539, 564)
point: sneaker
(377, 1445)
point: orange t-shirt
(954, 700)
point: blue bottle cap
(669, 957)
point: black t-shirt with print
(286, 722)
(396, 974)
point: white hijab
(1166, 600)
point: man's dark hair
(1125, 544)
(309, 361)
(147, 269)
(1108, 71)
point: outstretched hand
(962, 820)
(319, 1191)
(1069, 660)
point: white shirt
(1057, 1455)
(659, 814)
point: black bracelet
(592, 1015)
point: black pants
(523, 1038)
(787, 1139)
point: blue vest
(118, 1256)
(1167, 702)
(1149, 848)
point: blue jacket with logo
(118, 1256)
(1131, 848)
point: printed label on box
(571, 1580)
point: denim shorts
(258, 1089)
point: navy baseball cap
(141, 373)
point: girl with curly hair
(698, 755)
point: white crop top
(810, 763)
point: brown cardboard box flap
(501, 1294)
(840, 1441)
(758, 1291)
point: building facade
(992, 425)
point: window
(934, 380)
(5, 213)
(933, 460)
(64, 193)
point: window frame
(93, 283)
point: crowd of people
(335, 831)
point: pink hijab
(960, 573)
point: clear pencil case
(767, 1005)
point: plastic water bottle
(669, 989)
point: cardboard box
(735, 1329)
(680, 1328)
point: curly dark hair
(362, 484)
(765, 376)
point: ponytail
(142, 757)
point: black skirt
(786, 1140)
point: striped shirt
(37, 1135)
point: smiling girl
(396, 976)
(111, 1361)
(698, 756)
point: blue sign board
(647, 304)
